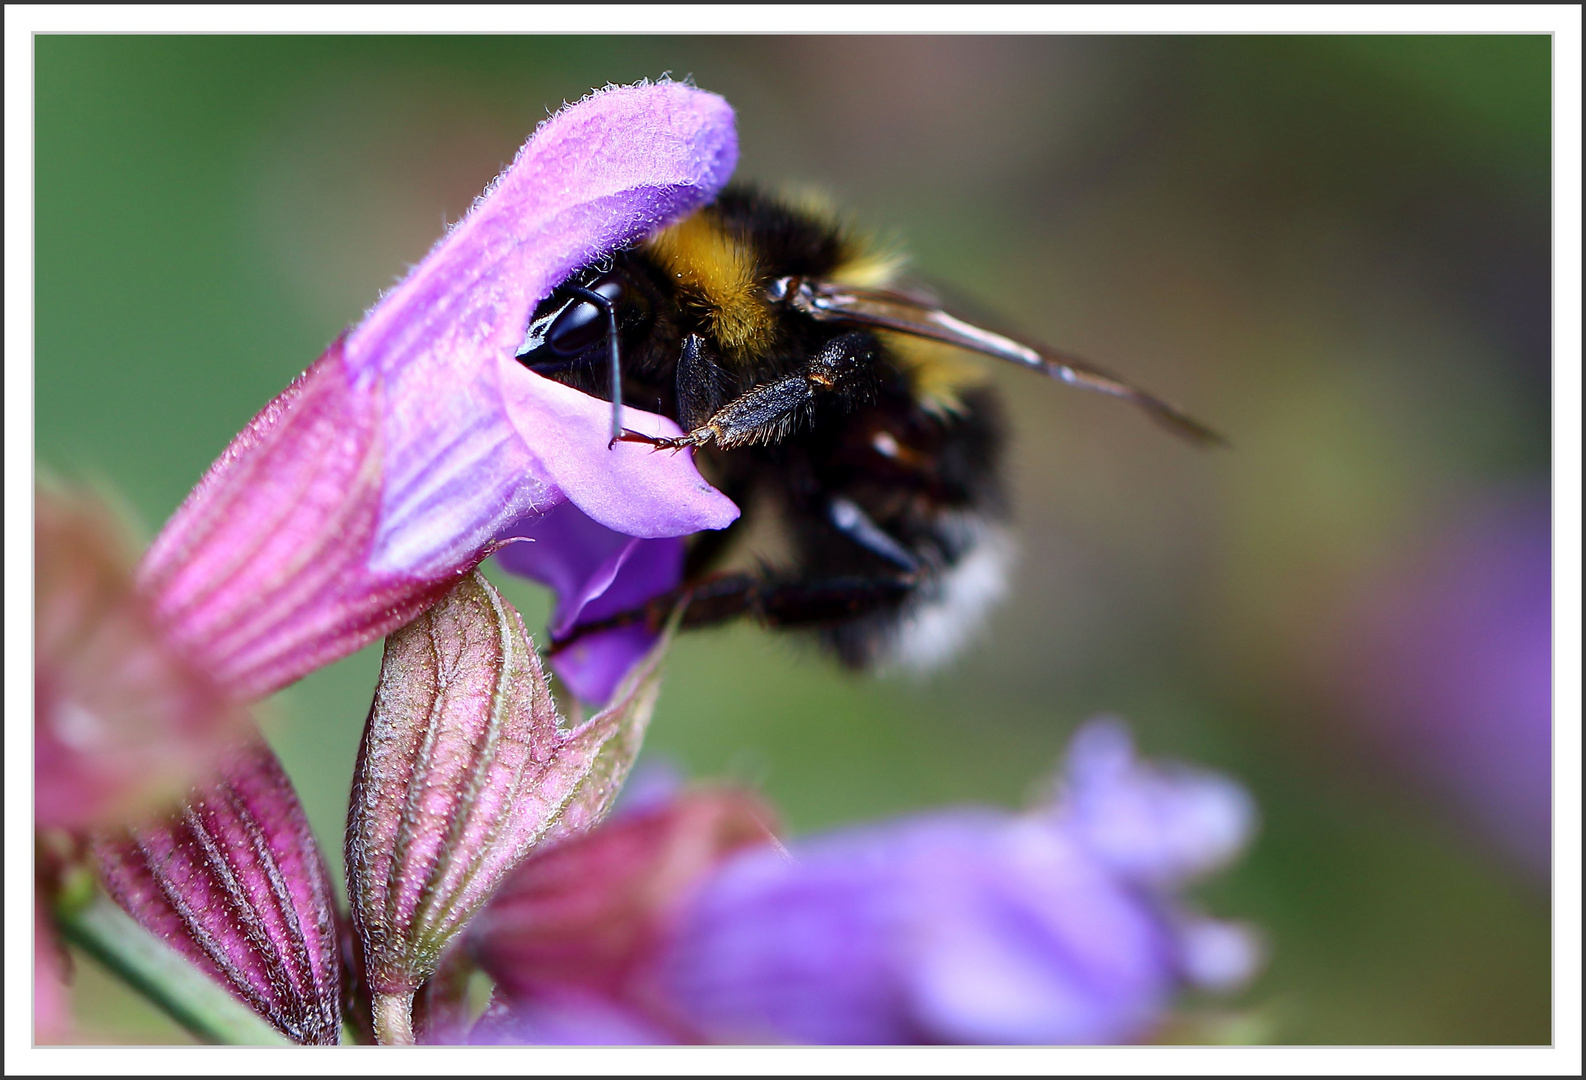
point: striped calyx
(234, 882)
(465, 766)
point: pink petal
(263, 574)
(595, 177)
(630, 488)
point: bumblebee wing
(916, 316)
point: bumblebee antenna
(590, 296)
(907, 315)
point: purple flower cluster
(409, 452)
(1445, 659)
(1060, 925)
(683, 920)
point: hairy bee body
(816, 389)
(879, 452)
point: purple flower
(567, 1020)
(1446, 661)
(416, 444)
(1157, 823)
(595, 572)
(1061, 925)
(576, 920)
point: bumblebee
(814, 387)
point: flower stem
(393, 1019)
(161, 974)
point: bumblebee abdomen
(944, 612)
(931, 484)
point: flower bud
(121, 722)
(464, 767)
(582, 916)
(235, 883)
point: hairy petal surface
(235, 883)
(394, 464)
(464, 768)
(264, 573)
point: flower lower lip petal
(626, 487)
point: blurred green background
(1335, 249)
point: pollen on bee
(718, 270)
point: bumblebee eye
(582, 326)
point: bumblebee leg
(773, 410)
(858, 526)
(795, 601)
(698, 384)
(774, 601)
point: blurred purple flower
(416, 444)
(121, 723)
(1157, 823)
(1446, 662)
(968, 926)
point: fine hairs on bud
(465, 767)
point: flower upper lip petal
(599, 175)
